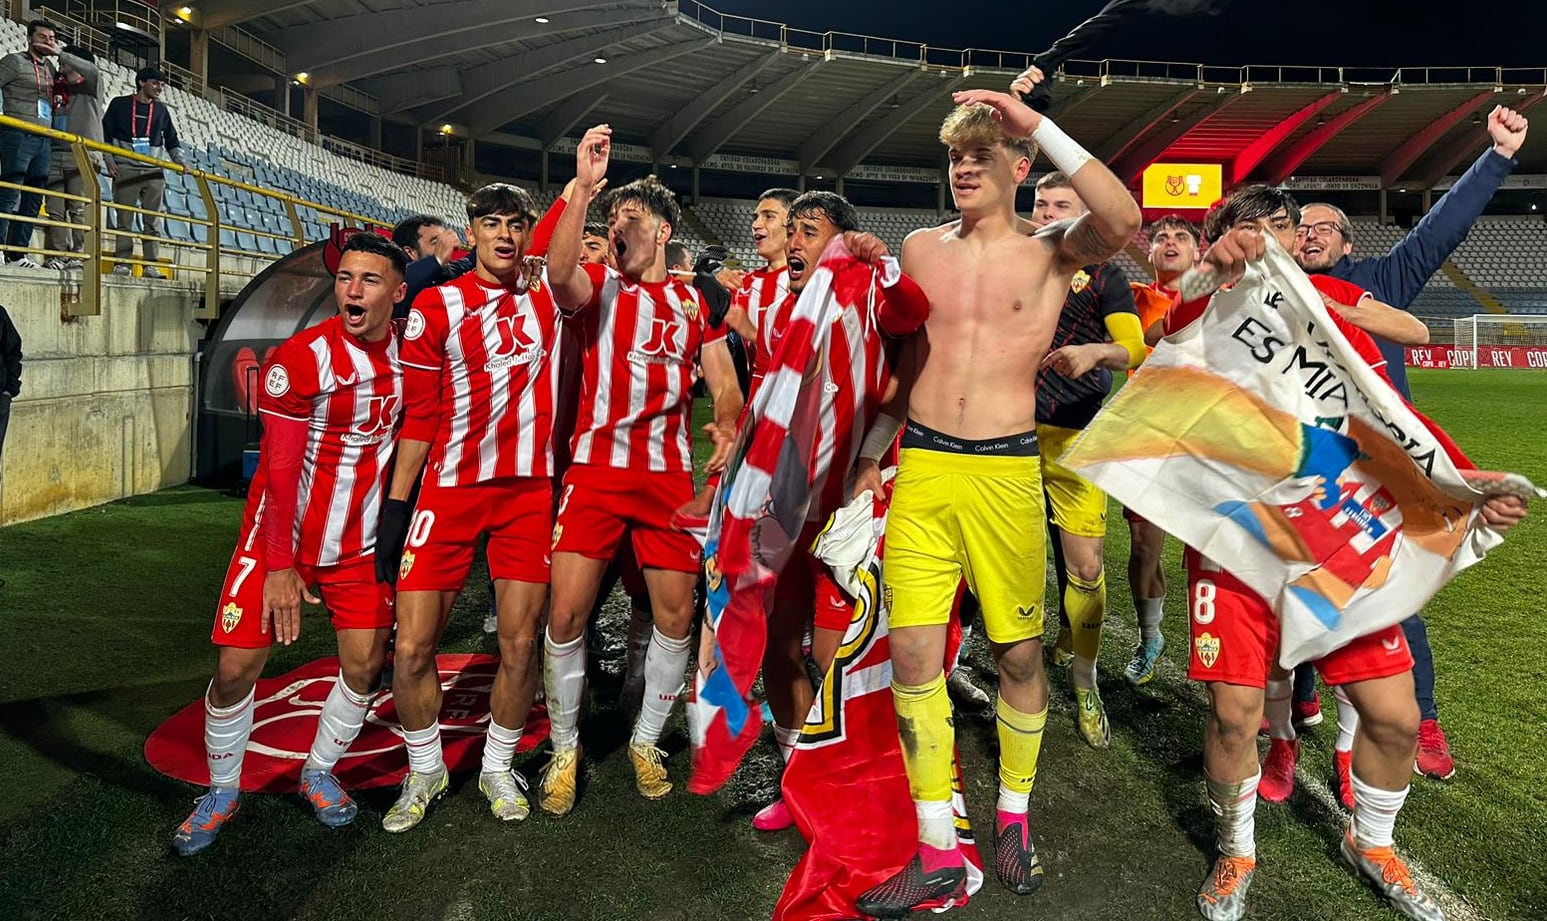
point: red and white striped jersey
(479, 381)
(856, 370)
(638, 343)
(764, 295)
(350, 395)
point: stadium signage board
(620, 151)
(738, 163)
(1185, 186)
(1488, 356)
(1334, 183)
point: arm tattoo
(1078, 241)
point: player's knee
(360, 676)
(1021, 664)
(1086, 570)
(1393, 725)
(413, 658)
(1235, 720)
(517, 649)
(232, 683)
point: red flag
(862, 830)
(759, 511)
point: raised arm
(1401, 274)
(572, 288)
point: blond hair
(975, 126)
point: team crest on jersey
(690, 307)
(1080, 281)
(1208, 649)
(277, 383)
(230, 616)
(407, 564)
(415, 326)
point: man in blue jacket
(1325, 245)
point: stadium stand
(237, 147)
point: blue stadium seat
(246, 242)
(178, 230)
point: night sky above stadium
(1355, 34)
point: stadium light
(543, 20)
(446, 130)
(185, 13)
(302, 77)
(599, 60)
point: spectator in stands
(27, 83)
(143, 124)
(1324, 244)
(78, 111)
(10, 372)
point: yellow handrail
(205, 182)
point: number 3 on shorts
(1203, 594)
(419, 531)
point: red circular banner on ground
(285, 719)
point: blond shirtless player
(968, 497)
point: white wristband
(880, 438)
(1065, 152)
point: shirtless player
(968, 496)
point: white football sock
(665, 665)
(1149, 617)
(1010, 801)
(1276, 707)
(1375, 813)
(499, 747)
(226, 731)
(1348, 720)
(343, 713)
(564, 681)
(937, 824)
(424, 752)
(1082, 672)
(785, 738)
(1235, 815)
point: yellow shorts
(956, 516)
(1078, 506)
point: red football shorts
(517, 514)
(807, 582)
(600, 504)
(349, 590)
(1235, 638)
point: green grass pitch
(105, 616)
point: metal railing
(979, 59)
(212, 190)
(241, 105)
(385, 160)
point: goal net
(1500, 341)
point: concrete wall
(106, 405)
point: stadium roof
(683, 83)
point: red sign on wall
(1488, 356)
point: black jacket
(10, 355)
(427, 272)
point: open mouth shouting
(797, 266)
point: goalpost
(1493, 340)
